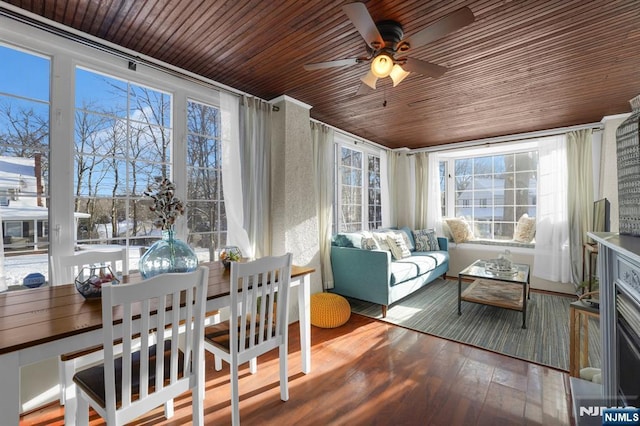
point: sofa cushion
(426, 240)
(411, 267)
(439, 257)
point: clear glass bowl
(90, 280)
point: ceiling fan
(387, 48)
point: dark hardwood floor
(368, 372)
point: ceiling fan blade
(331, 64)
(361, 19)
(443, 26)
(424, 67)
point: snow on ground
(16, 268)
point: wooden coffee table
(504, 290)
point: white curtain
(580, 193)
(422, 194)
(434, 208)
(232, 174)
(323, 156)
(391, 219)
(255, 163)
(400, 184)
(552, 258)
(428, 204)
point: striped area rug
(434, 310)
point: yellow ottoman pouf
(329, 310)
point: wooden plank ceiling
(522, 65)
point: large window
(358, 190)
(24, 160)
(492, 191)
(115, 131)
(122, 146)
(207, 218)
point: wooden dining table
(37, 324)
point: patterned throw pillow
(381, 240)
(398, 248)
(460, 230)
(426, 240)
(369, 243)
(525, 229)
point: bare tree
(203, 156)
(24, 132)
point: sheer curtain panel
(422, 190)
(323, 153)
(580, 193)
(428, 205)
(231, 173)
(552, 258)
(255, 161)
(392, 164)
(400, 194)
(434, 203)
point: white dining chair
(257, 324)
(130, 384)
(63, 271)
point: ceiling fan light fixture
(398, 74)
(370, 80)
(382, 65)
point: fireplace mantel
(618, 264)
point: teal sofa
(374, 276)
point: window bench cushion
(504, 243)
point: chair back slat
(143, 374)
(159, 325)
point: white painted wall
(293, 210)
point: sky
(23, 74)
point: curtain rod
(511, 138)
(351, 135)
(132, 57)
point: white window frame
(449, 157)
(343, 141)
(65, 56)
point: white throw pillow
(398, 247)
(460, 230)
(525, 229)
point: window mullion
(179, 154)
(62, 138)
